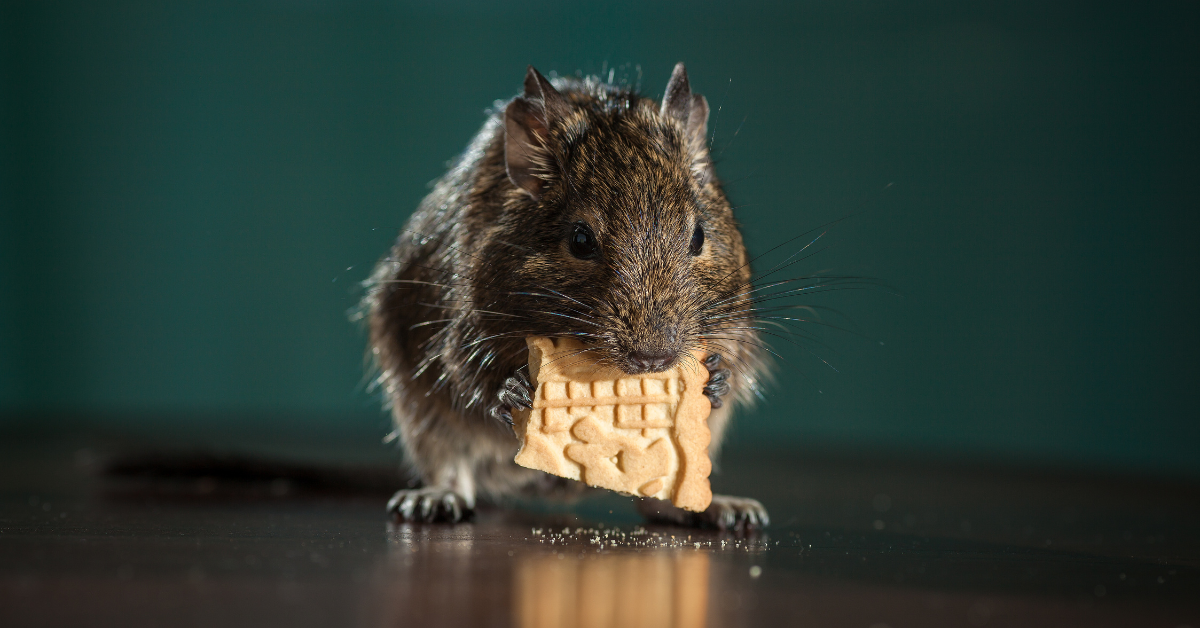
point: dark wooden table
(854, 542)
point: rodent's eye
(582, 242)
(697, 240)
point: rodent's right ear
(527, 123)
(691, 111)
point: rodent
(584, 209)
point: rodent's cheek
(557, 270)
(538, 268)
(705, 264)
(715, 274)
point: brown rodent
(580, 209)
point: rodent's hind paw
(727, 513)
(718, 381)
(429, 505)
(516, 392)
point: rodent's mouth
(656, 358)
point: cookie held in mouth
(645, 435)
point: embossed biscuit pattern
(646, 435)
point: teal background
(192, 192)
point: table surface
(854, 542)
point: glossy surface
(866, 544)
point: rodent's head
(615, 229)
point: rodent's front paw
(429, 504)
(718, 380)
(516, 392)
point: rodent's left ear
(690, 110)
(527, 123)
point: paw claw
(516, 392)
(450, 506)
(406, 508)
(430, 505)
(502, 414)
(718, 380)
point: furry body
(488, 259)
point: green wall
(192, 192)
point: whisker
(593, 323)
(760, 345)
(510, 334)
(785, 243)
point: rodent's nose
(651, 362)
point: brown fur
(484, 262)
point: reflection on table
(661, 589)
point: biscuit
(645, 435)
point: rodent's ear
(677, 100)
(527, 122)
(690, 110)
(697, 124)
(538, 89)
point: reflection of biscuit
(645, 434)
(629, 590)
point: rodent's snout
(648, 343)
(650, 361)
